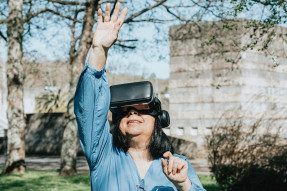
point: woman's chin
(133, 132)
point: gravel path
(53, 162)
(48, 162)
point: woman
(134, 164)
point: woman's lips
(133, 121)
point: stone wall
(218, 73)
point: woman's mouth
(133, 122)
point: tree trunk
(70, 137)
(15, 159)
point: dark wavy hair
(159, 142)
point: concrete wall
(216, 74)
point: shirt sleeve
(195, 182)
(91, 106)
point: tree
(70, 138)
(15, 78)
(14, 22)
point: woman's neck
(140, 154)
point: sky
(147, 59)
(140, 59)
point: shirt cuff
(90, 69)
(195, 187)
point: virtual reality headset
(138, 96)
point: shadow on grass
(212, 187)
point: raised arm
(92, 97)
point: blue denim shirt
(111, 169)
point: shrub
(248, 157)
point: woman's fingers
(174, 167)
(164, 166)
(108, 12)
(177, 166)
(167, 154)
(170, 165)
(180, 166)
(173, 164)
(100, 15)
(116, 12)
(121, 19)
(123, 14)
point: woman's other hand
(108, 28)
(176, 170)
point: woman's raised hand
(107, 30)
(175, 170)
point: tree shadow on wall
(44, 133)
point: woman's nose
(132, 111)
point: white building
(216, 76)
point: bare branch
(207, 8)
(46, 10)
(125, 46)
(162, 21)
(2, 21)
(133, 16)
(73, 3)
(123, 43)
(266, 3)
(173, 14)
(73, 39)
(127, 40)
(29, 12)
(3, 36)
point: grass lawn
(209, 183)
(34, 180)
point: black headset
(164, 119)
(131, 94)
(162, 115)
